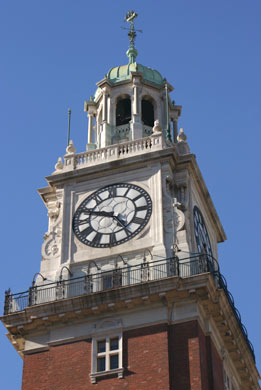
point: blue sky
(52, 55)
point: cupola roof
(122, 73)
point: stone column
(106, 136)
(90, 144)
(109, 116)
(136, 124)
(90, 129)
(105, 106)
(135, 101)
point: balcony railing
(147, 130)
(112, 152)
(146, 272)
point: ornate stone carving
(181, 136)
(108, 323)
(168, 208)
(181, 193)
(157, 128)
(179, 217)
(70, 148)
(182, 145)
(59, 165)
(53, 210)
(51, 248)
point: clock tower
(129, 293)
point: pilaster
(136, 123)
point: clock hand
(103, 213)
(100, 213)
(120, 222)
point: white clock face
(112, 215)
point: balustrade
(113, 152)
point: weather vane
(132, 52)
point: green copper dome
(122, 73)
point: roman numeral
(141, 208)
(137, 197)
(85, 232)
(112, 239)
(97, 238)
(84, 209)
(127, 231)
(137, 220)
(83, 221)
(97, 198)
(112, 192)
(126, 193)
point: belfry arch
(147, 111)
(123, 110)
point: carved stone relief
(179, 217)
(181, 192)
(167, 203)
(107, 323)
(51, 247)
(168, 215)
(175, 203)
(181, 211)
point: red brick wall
(67, 367)
(217, 368)
(182, 349)
(194, 361)
(205, 360)
(64, 367)
(161, 357)
(147, 358)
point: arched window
(123, 111)
(147, 110)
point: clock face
(201, 233)
(112, 215)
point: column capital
(105, 91)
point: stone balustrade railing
(147, 130)
(111, 153)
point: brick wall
(67, 367)
(194, 361)
(217, 368)
(161, 357)
(62, 367)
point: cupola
(129, 100)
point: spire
(132, 52)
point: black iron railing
(129, 275)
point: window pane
(114, 344)
(101, 364)
(101, 346)
(114, 361)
